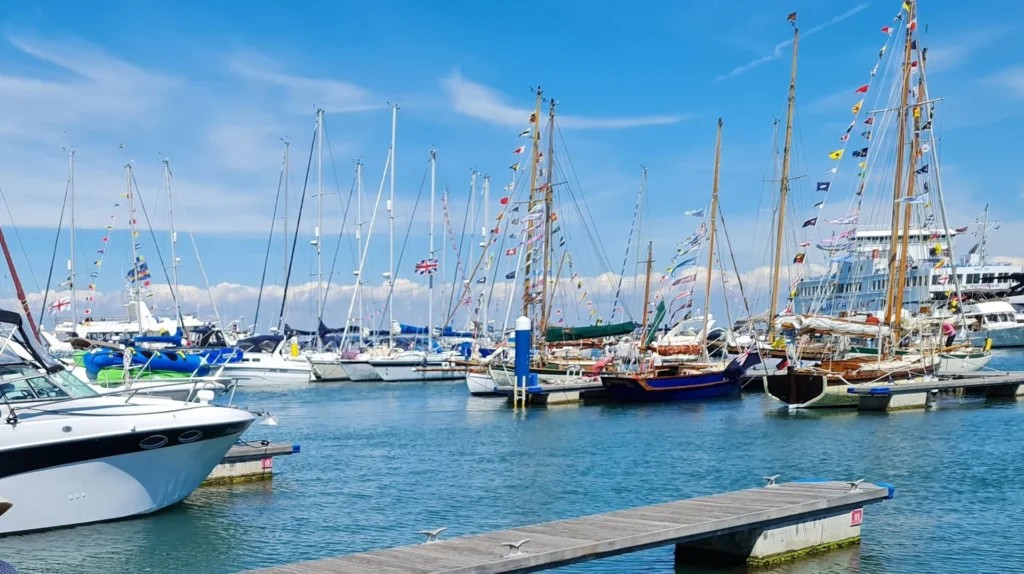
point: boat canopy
(827, 325)
(174, 339)
(563, 334)
(29, 342)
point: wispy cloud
(777, 51)
(303, 93)
(957, 51)
(478, 101)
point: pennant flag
(510, 275)
(823, 185)
(831, 171)
(961, 229)
(862, 164)
(94, 274)
(510, 251)
(561, 242)
(426, 267)
(514, 167)
(88, 312)
(482, 280)
(819, 205)
(799, 258)
(685, 263)
(845, 137)
(869, 121)
(856, 107)
(515, 209)
(556, 230)
(887, 30)
(524, 133)
(922, 169)
(940, 264)
(695, 212)
(101, 250)
(92, 286)
(836, 154)
(866, 135)
(861, 90)
(844, 220)
(810, 222)
(850, 127)
(925, 148)
(791, 17)
(881, 52)
(536, 214)
(510, 187)
(503, 201)
(803, 244)
(105, 239)
(685, 280)
(520, 149)
(862, 152)
(906, 6)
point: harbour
(512, 322)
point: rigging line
(453, 306)
(295, 238)
(735, 268)
(195, 249)
(344, 221)
(156, 246)
(53, 256)
(20, 242)
(266, 258)
(405, 242)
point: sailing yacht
(70, 456)
(269, 360)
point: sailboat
(701, 379)
(824, 383)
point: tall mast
(711, 239)
(17, 285)
(319, 224)
(359, 237)
(285, 220)
(533, 200)
(472, 223)
(647, 293)
(134, 289)
(984, 237)
(174, 234)
(892, 288)
(430, 277)
(783, 185)
(548, 197)
(391, 231)
(915, 143)
(485, 232)
(71, 261)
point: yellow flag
(917, 112)
(940, 264)
(836, 154)
(856, 107)
(862, 164)
(906, 6)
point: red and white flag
(520, 149)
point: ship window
(15, 388)
(935, 279)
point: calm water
(380, 462)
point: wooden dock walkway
(249, 462)
(759, 526)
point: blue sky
(215, 86)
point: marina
(491, 364)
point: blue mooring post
(524, 342)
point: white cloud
(777, 51)
(957, 51)
(478, 101)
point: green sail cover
(652, 329)
(563, 334)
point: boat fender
(988, 343)
(295, 348)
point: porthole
(155, 441)
(190, 436)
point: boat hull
(393, 371)
(1001, 338)
(328, 371)
(961, 363)
(360, 371)
(482, 385)
(246, 375)
(120, 485)
(637, 388)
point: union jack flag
(426, 267)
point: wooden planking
(943, 385)
(563, 542)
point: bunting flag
(861, 90)
(803, 244)
(533, 118)
(503, 201)
(845, 220)
(510, 275)
(831, 171)
(535, 214)
(869, 121)
(482, 280)
(685, 280)
(810, 222)
(823, 185)
(940, 264)
(836, 154)
(524, 133)
(519, 149)
(856, 107)
(844, 137)
(887, 30)
(922, 169)
(862, 164)
(819, 205)
(514, 167)
(961, 229)
(866, 135)
(510, 251)
(695, 212)
(914, 200)
(799, 258)
(862, 152)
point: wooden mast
(911, 181)
(892, 288)
(784, 183)
(647, 294)
(548, 198)
(711, 239)
(533, 201)
(18, 289)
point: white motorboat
(265, 362)
(480, 384)
(996, 320)
(327, 367)
(70, 456)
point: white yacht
(265, 362)
(414, 365)
(69, 456)
(995, 320)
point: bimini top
(11, 321)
